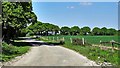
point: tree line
(40, 28)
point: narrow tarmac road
(53, 56)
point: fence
(90, 40)
(112, 42)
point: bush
(10, 51)
(77, 41)
(62, 42)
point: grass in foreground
(10, 51)
(96, 54)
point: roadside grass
(96, 54)
(10, 51)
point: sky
(92, 14)
(75, 0)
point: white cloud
(70, 7)
(86, 3)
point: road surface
(52, 56)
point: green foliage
(111, 31)
(43, 28)
(96, 54)
(65, 30)
(85, 30)
(16, 16)
(10, 51)
(96, 31)
(75, 30)
(104, 31)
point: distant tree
(40, 28)
(104, 31)
(34, 28)
(56, 29)
(118, 32)
(85, 30)
(75, 30)
(96, 31)
(111, 31)
(65, 30)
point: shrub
(62, 42)
(10, 51)
(77, 41)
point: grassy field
(88, 39)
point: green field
(88, 39)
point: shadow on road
(35, 43)
(32, 42)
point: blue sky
(92, 14)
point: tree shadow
(36, 43)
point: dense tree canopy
(104, 31)
(40, 28)
(96, 31)
(85, 30)
(75, 30)
(50, 29)
(111, 31)
(16, 16)
(65, 30)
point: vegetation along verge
(10, 51)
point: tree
(104, 31)
(75, 30)
(96, 31)
(118, 32)
(43, 28)
(111, 31)
(65, 30)
(56, 29)
(16, 16)
(0, 23)
(34, 28)
(85, 30)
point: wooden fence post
(112, 43)
(100, 43)
(53, 38)
(71, 40)
(63, 39)
(83, 40)
(47, 38)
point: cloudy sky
(92, 14)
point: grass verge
(96, 54)
(10, 51)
